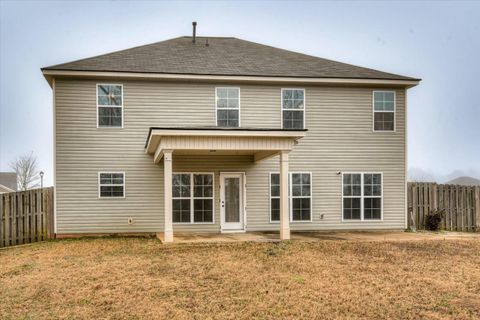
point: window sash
(111, 95)
(362, 196)
(382, 123)
(290, 119)
(191, 198)
(114, 183)
(291, 198)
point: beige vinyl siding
(340, 137)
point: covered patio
(198, 238)
(260, 144)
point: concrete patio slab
(322, 236)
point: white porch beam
(167, 178)
(158, 155)
(264, 155)
(284, 212)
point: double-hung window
(274, 197)
(109, 105)
(300, 196)
(362, 196)
(293, 108)
(384, 111)
(227, 103)
(192, 197)
(111, 184)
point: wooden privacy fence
(26, 216)
(461, 205)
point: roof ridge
(213, 37)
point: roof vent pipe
(194, 24)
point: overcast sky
(438, 42)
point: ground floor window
(300, 196)
(362, 196)
(111, 184)
(192, 197)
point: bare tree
(27, 172)
(420, 175)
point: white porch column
(284, 212)
(167, 178)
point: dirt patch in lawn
(130, 278)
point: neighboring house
(8, 182)
(465, 181)
(207, 134)
(5, 189)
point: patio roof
(259, 142)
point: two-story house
(207, 134)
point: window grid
(275, 195)
(373, 179)
(302, 181)
(112, 183)
(293, 108)
(384, 109)
(109, 105)
(196, 201)
(181, 198)
(227, 104)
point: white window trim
(96, 99)
(112, 172)
(290, 202)
(191, 198)
(304, 106)
(239, 106)
(394, 111)
(362, 197)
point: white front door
(232, 206)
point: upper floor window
(383, 111)
(111, 184)
(227, 102)
(110, 105)
(293, 108)
(362, 196)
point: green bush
(433, 220)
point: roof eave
(49, 74)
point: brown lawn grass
(134, 278)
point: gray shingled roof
(9, 180)
(222, 56)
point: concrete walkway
(316, 236)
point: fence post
(51, 218)
(1, 221)
(477, 208)
(7, 220)
(414, 206)
(435, 196)
(21, 234)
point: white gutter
(49, 74)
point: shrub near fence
(460, 203)
(26, 216)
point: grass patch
(138, 278)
